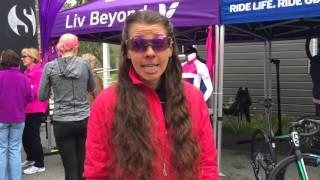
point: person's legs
(4, 131)
(80, 146)
(26, 138)
(64, 133)
(36, 151)
(14, 151)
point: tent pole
(270, 71)
(220, 96)
(277, 63)
(215, 85)
(270, 85)
(267, 87)
(265, 77)
(106, 64)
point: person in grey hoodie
(70, 78)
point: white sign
(268, 4)
(110, 18)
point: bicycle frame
(295, 155)
(296, 145)
(293, 138)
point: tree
(94, 47)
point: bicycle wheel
(309, 134)
(262, 155)
(308, 143)
(287, 169)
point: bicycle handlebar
(310, 125)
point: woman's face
(27, 61)
(93, 64)
(150, 62)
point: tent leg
(106, 64)
(219, 147)
(220, 95)
(268, 87)
(215, 85)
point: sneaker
(33, 169)
(27, 163)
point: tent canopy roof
(102, 20)
(274, 30)
(245, 21)
(258, 20)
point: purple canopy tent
(48, 12)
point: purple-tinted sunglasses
(159, 43)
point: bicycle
(263, 157)
(299, 165)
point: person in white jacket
(195, 71)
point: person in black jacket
(315, 76)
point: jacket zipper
(164, 170)
(164, 165)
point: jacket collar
(137, 80)
(33, 67)
(134, 77)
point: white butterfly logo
(168, 13)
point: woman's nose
(150, 51)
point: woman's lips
(150, 68)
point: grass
(258, 121)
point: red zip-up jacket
(98, 151)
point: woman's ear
(170, 51)
(128, 55)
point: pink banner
(211, 52)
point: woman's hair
(67, 42)
(9, 58)
(90, 57)
(31, 52)
(131, 128)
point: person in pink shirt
(35, 114)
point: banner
(18, 25)
(109, 15)
(244, 11)
(211, 52)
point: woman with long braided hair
(151, 124)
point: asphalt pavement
(235, 165)
(235, 162)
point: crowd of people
(149, 125)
